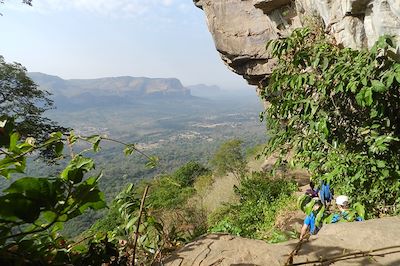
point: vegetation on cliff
(338, 111)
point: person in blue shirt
(309, 221)
(342, 202)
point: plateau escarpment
(241, 28)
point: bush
(188, 173)
(202, 183)
(166, 192)
(260, 200)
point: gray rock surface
(333, 240)
(241, 28)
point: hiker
(342, 202)
(325, 193)
(309, 221)
(313, 193)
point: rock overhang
(241, 28)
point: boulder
(379, 238)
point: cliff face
(241, 28)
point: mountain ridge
(121, 85)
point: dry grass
(289, 218)
(220, 192)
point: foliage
(167, 218)
(338, 110)
(21, 98)
(229, 158)
(202, 183)
(260, 200)
(33, 210)
(171, 191)
(306, 204)
(150, 230)
(188, 173)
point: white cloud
(113, 8)
(167, 2)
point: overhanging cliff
(241, 28)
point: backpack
(325, 193)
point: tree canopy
(229, 158)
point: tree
(188, 173)
(229, 158)
(21, 98)
(337, 111)
(28, 2)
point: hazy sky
(101, 38)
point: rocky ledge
(373, 242)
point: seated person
(309, 221)
(342, 202)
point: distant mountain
(109, 91)
(122, 86)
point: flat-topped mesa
(241, 28)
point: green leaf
(378, 86)
(319, 217)
(309, 207)
(129, 149)
(368, 97)
(58, 148)
(57, 227)
(398, 77)
(131, 223)
(153, 161)
(13, 142)
(16, 205)
(39, 190)
(360, 209)
(328, 219)
(72, 138)
(77, 168)
(49, 216)
(390, 80)
(360, 97)
(96, 146)
(380, 164)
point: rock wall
(241, 28)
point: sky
(105, 38)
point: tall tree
(229, 158)
(21, 98)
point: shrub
(188, 173)
(254, 215)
